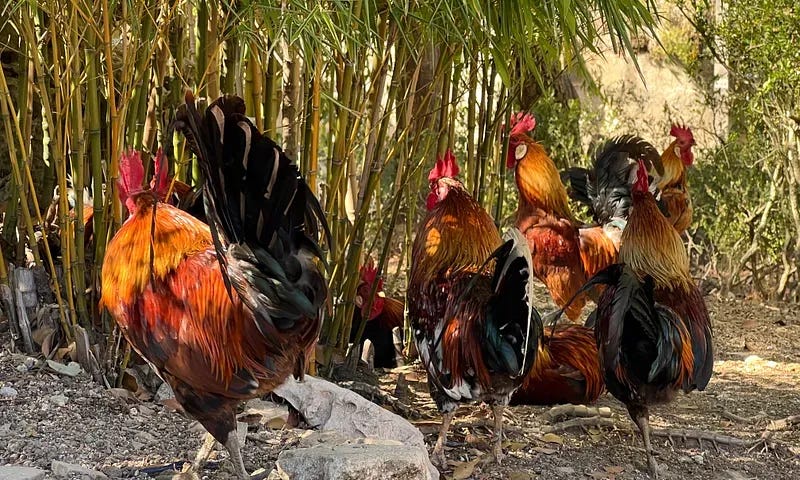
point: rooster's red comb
(131, 172)
(160, 183)
(369, 272)
(445, 167)
(682, 132)
(522, 122)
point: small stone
(71, 369)
(699, 459)
(8, 392)
(58, 399)
(69, 470)
(164, 393)
(145, 438)
(21, 473)
(566, 470)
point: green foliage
(746, 196)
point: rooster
(570, 373)
(474, 325)
(565, 254)
(226, 311)
(385, 315)
(652, 326)
(677, 158)
(606, 188)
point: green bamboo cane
(75, 244)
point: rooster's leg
(236, 455)
(497, 410)
(641, 416)
(438, 449)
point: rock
(376, 460)
(164, 392)
(699, 459)
(8, 392)
(58, 399)
(259, 411)
(21, 473)
(329, 407)
(69, 470)
(71, 369)
(566, 470)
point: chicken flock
(222, 289)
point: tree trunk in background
(721, 79)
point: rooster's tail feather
(263, 217)
(513, 325)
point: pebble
(69, 470)
(58, 399)
(566, 470)
(699, 459)
(8, 392)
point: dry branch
(583, 422)
(562, 411)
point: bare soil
(755, 380)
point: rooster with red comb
(652, 328)
(564, 252)
(470, 304)
(675, 202)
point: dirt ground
(756, 377)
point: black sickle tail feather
(578, 179)
(606, 187)
(513, 328)
(263, 217)
(613, 171)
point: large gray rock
(21, 473)
(361, 459)
(329, 407)
(69, 470)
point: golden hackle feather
(177, 236)
(539, 182)
(674, 169)
(651, 246)
(458, 238)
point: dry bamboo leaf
(464, 470)
(546, 451)
(514, 446)
(614, 469)
(520, 476)
(552, 438)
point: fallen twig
(581, 422)
(739, 419)
(561, 411)
(784, 423)
(701, 436)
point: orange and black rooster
(675, 201)
(565, 254)
(474, 324)
(568, 373)
(652, 326)
(385, 315)
(224, 313)
(606, 187)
